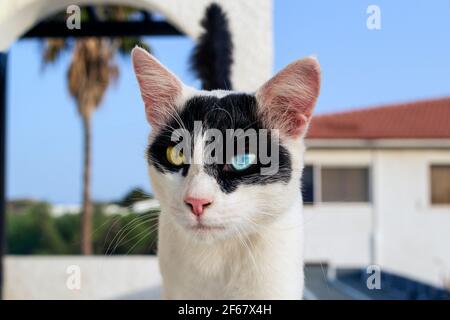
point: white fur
(257, 256)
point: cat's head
(224, 163)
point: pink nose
(197, 205)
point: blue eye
(242, 161)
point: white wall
(412, 237)
(338, 233)
(102, 277)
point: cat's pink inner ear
(159, 87)
(287, 100)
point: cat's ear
(159, 87)
(287, 100)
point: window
(440, 184)
(308, 185)
(335, 184)
(344, 184)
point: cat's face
(224, 163)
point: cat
(226, 231)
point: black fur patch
(234, 111)
(211, 59)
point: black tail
(212, 57)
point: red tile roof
(427, 119)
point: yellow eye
(174, 156)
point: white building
(378, 181)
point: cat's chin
(206, 233)
(206, 228)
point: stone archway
(250, 24)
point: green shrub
(32, 230)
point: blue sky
(408, 59)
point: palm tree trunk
(86, 215)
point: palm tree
(92, 69)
